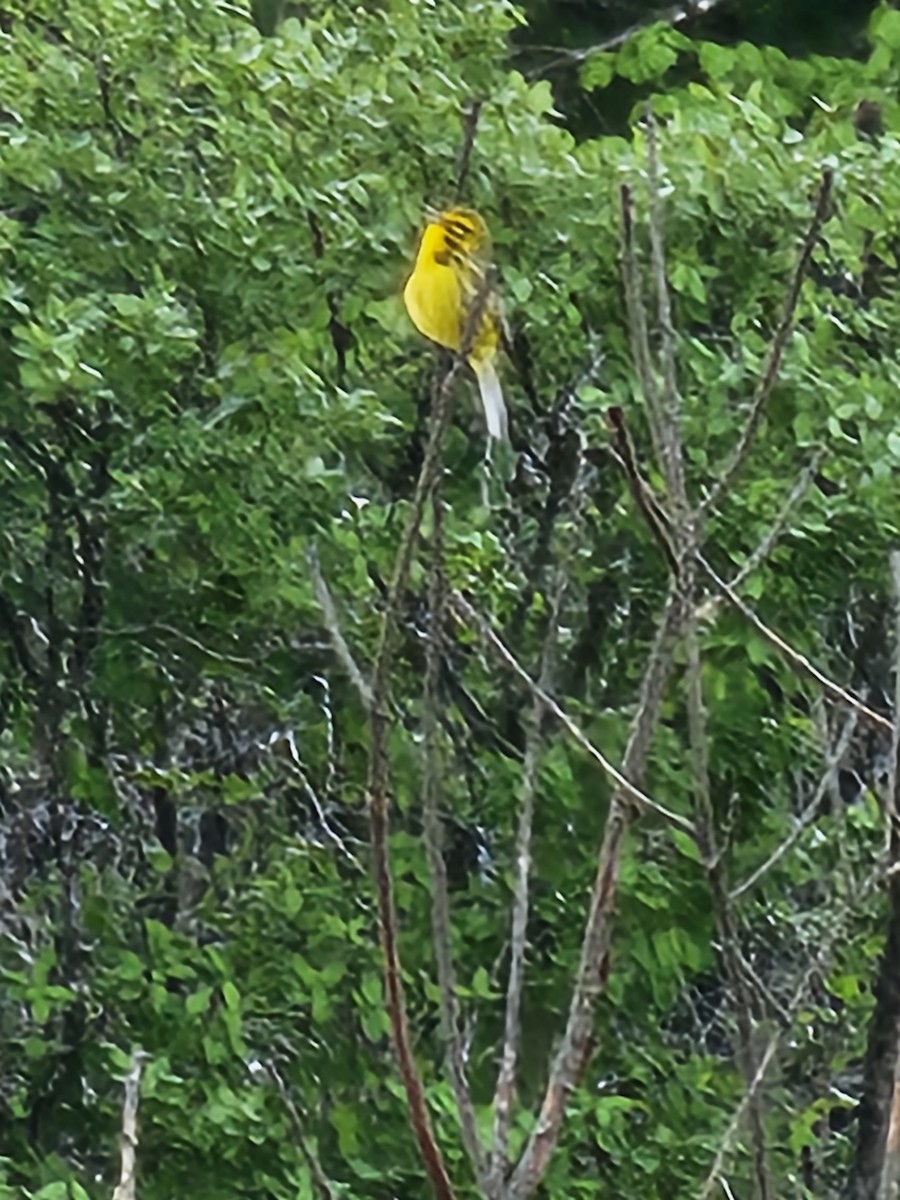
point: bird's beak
(432, 215)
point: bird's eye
(458, 225)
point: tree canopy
(238, 493)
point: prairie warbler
(448, 277)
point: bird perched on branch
(452, 277)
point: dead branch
(769, 377)
(817, 966)
(506, 1078)
(683, 527)
(470, 126)
(333, 626)
(660, 523)
(126, 1187)
(433, 833)
(767, 543)
(794, 657)
(572, 1057)
(672, 449)
(637, 322)
(320, 1181)
(675, 15)
(379, 769)
(468, 616)
(809, 813)
(873, 1172)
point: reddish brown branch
(379, 769)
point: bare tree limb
(506, 1078)
(126, 1187)
(670, 411)
(320, 1181)
(332, 624)
(637, 322)
(816, 967)
(440, 904)
(808, 814)
(470, 126)
(577, 1043)
(675, 15)
(874, 1165)
(778, 526)
(683, 524)
(379, 769)
(777, 347)
(660, 524)
(629, 792)
(794, 657)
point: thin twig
(684, 528)
(809, 813)
(874, 1165)
(769, 376)
(660, 523)
(813, 971)
(320, 1181)
(793, 656)
(333, 626)
(433, 833)
(775, 530)
(656, 518)
(670, 410)
(464, 157)
(468, 616)
(637, 321)
(506, 1078)
(125, 1188)
(675, 15)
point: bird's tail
(492, 399)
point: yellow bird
(448, 276)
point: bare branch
(769, 376)
(777, 528)
(683, 524)
(675, 15)
(470, 126)
(657, 519)
(672, 449)
(637, 322)
(433, 833)
(817, 965)
(379, 771)
(503, 1094)
(808, 814)
(320, 1181)
(332, 624)
(875, 1162)
(126, 1187)
(574, 1052)
(660, 523)
(794, 657)
(468, 616)
(729, 945)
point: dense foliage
(206, 373)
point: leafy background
(205, 369)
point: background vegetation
(212, 407)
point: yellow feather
(449, 271)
